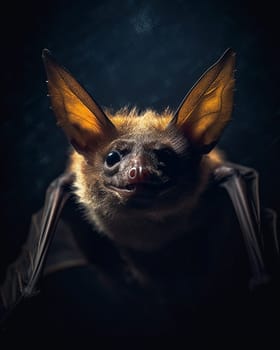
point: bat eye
(165, 156)
(112, 158)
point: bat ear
(206, 109)
(83, 121)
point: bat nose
(138, 171)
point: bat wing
(258, 225)
(23, 275)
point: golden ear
(83, 121)
(206, 109)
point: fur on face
(155, 221)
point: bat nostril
(138, 174)
(132, 173)
(138, 171)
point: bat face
(140, 176)
(137, 183)
(144, 167)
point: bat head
(140, 175)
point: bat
(152, 168)
(143, 179)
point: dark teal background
(136, 53)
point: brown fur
(138, 229)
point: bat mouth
(143, 190)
